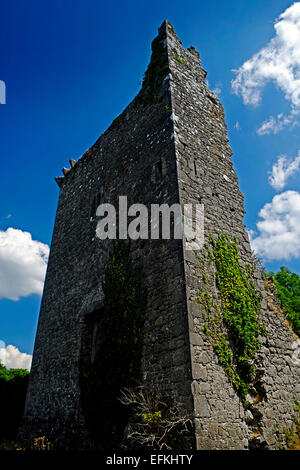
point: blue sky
(70, 67)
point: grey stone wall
(175, 123)
(206, 175)
(122, 162)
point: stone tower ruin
(169, 146)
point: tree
(288, 287)
(13, 388)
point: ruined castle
(169, 146)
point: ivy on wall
(233, 327)
(118, 356)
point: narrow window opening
(195, 168)
(93, 209)
(94, 205)
(94, 335)
(158, 170)
(95, 339)
(98, 200)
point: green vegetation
(117, 360)
(13, 387)
(234, 328)
(156, 422)
(288, 287)
(291, 438)
(297, 409)
(177, 58)
(152, 418)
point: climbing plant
(233, 327)
(118, 356)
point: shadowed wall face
(134, 157)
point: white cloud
(237, 126)
(282, 170)
(12, 358)
(278, 62)
(279, 229)
(274, 125)
(251, 234)
(217, 91)
(23, 263)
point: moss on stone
(234, 329)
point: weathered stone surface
(183, 128)
(201, 121)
